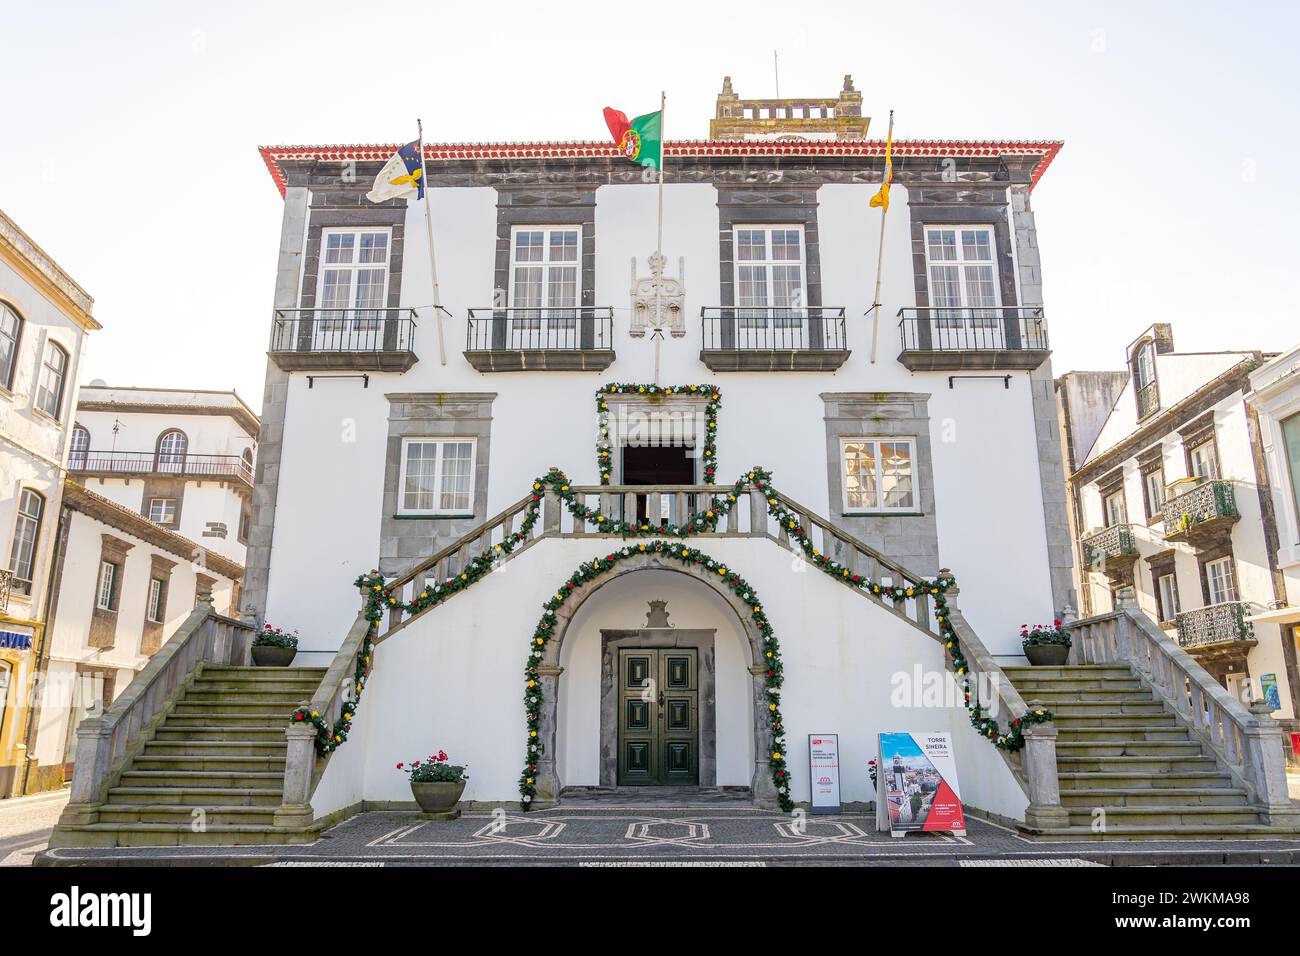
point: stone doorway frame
(762, 789)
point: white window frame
(44, 394)
(880, 507)
(440, 442)
(974, 321)
(1210, 447)
(1168, 595)
(154, 606)
(351, 314)
(1123, 508)
(794, 319)
(14, 340)
(1227, 580)
(1155, 492)
(170, 519)
(25, 520)
(567, 315)
(107, 585)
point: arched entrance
(551, 667)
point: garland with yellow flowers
(712, 402)
(379, 599)
(329, 739)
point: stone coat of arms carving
(658, 301)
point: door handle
(661, 698)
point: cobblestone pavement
(25, 824)
(640, 836)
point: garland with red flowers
(329, 739)
(379, 598)
(713, 401)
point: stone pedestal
(1044, 810)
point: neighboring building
(1276, 395)
(940, 451)
(44, 319)
(1172, 498)
(155, 514)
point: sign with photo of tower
(917, 786)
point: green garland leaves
(329, 739)
(713, 401)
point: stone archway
(548, 784)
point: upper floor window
(79, 447)
(353, 278)
(544, 276)
(106, 588)
(27, 535)
(1153, 485)
(1115, 508)
(1144, 379)
(1167, 597)
(1220, 580)
(770, 267)
(54, 370)
(162, 510)
(154, 609)
(1203, 461)
(11, 326)
(437, 476)
(172, 446)
(878, 474)
(1291, 438)
(963, 277)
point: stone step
(1032, 685)
(198, 796)
(1154, 763)
(1120, 732)
(1154, 796)
(1222, 831)
(1065, 722)
(229, 764)
(253, 779)
(206, 731)
(1017, 671)
(216, 748)
(250, 698)
(233, 687)
(1174, 815)
(169, 834)
(186, 815)
(234, 708)
(1101, 708)
(1123, 695)
(1127, 748)
(1072, 780)
(271, 720)
(226, 671)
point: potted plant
(274, 647)
(1044, 645)
(435, 783)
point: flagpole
(433, 262)
(659, 239)
(880, 252)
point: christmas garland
(378, 599)
(593, 569)
(329, 739)
(709, 453)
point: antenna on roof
(776, 74)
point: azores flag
(402, 176)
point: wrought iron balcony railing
(1201, 510)
(742, 338)
(1148, 399)
(1215, 624)
(558, 339)
(361, 339)
(950, 338)
(156, 463)
(1110, 549)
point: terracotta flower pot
(1047, 655)
(268, 656)
(437, 797)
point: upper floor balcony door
(353, 290)
(771, 305)
(544, 287)
(964, 297)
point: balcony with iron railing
(171, 465)
(1216, 627)
(1202, 515)
(1111, 551)
(769, 339)
(540, 339)
(1148, 400)
(957, 339)
(360, 340)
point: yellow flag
(881, 198)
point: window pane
(896, 474)
(941, 245)
(22, 555)
(750, 245)
(338, 247)
(528, 246)
(418, 488)
(527, 291)
(860, 475)
(785, 244)
(564, 245)
(8, 344)
(374, 247)
(456, 476)
(370, 289)
(787, 287)
(975, 245)
(562, 288)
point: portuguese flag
(641, 139)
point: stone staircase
(1127, 766)
(213, 771)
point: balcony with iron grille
(1201, 516)
(115, 464)
(1111, 551)
(357, 340)
(540, 340)
(768, 339)
(1216, 628)
(965, 339)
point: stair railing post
(299, 769)
(1264, 756)
(1044, 810)
(757, 513)
(551, 509)
(94, 756)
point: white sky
(128, 137)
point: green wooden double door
(658, 717)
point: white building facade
(44, 319)
(1173, 499)
(925, 429)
